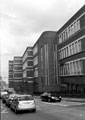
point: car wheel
(15, 110)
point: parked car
(3, 93)
(48, 97)
(23, 102)
(10, 99)
(4, 97)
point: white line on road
(59, 104)
(4, 111)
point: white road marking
(59, 104)
(4, 111)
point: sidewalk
(70, 99)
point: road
(48, 111)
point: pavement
(70, 99)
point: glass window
(78, 24)
(79, 45)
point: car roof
(19, 95)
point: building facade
(56, 61)
(10, 75)
(71, 54)
(44, 65)
(27, 60)
(17, 73)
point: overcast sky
(23, 21)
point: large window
(71, 68)
(17, 75)
(46, 64)
(70, 30)
(30, 63)
(30, 73)
(35, 61)
(35, 49)
(36, 72)
(42, 58)
(70, 49)
(30, 53)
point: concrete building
(44, 65)
(71, 49)
(17, 73)
(10, 75)
(27, 63)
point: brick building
(71, 50)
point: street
(48, 111)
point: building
(10, 76)
(71, 50)
(44, 65)
(17, 73)
(56, 61)
(27, 63)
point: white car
(23, 102)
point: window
(70, 30)
(30, 73)
(29, 63)
(35, 61)
(35, 50)
(78, 24)
(36, 72)
(30, 53)
(18, 75)
(79, 45)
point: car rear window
(22, 98)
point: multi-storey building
(71, 49)
(45, 67)
(10, 76)
(27, 60)
(17, 73)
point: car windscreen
(24, 98)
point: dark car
(4, 97)
(9, 99)
(48, 97)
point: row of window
(29, 53)
(71, 68)
(17, 75)
(71, 29)
(70, 49)
(18, 68)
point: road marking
(4, 111)
(38, 108)
(59, 104)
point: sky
(23, 21)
